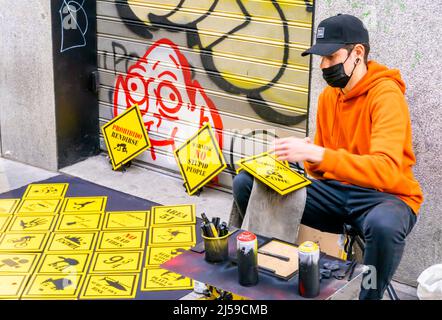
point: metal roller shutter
(234, 63)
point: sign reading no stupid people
(200, 159)
(125, 137)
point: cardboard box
(328, 242)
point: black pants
(382, 219)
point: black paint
(309, 279)
(247, 268)
(258, 104)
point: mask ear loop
(356, 63)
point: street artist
(362, 156)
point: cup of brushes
(216, 239)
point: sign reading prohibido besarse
(125, 137)
(200, 159)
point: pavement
(154, 185)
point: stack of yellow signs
(57, 247)
(273, 173)
(172, 233)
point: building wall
(403, 35)
(27, 107)
(48, 107)
(235, 64)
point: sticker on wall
(107, 286)
(18, 262)
(53, 286)
(37, 206)
(157, 279)
(274, 173)
(159, 255)
(4, 221)
(8, 205)
(179, 214)
(200, 159)
(122, 240)
(12, 286)
(125, 136)
(33, 223)
(84, 204)
(64, 262)
(46, 191)
(70, 222)
(117, 262)
(172, 235)
(126, 220)
(34, 242)
(75, 241)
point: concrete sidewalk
(146, 184)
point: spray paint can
(309, 273)
(247, 255)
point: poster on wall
(125, 137)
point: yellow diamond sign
(125, 137)
(273, 173)
(200, 159)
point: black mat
(116, 201)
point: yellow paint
(18, 262)
(159, 255)
(106, 286)
(178, 214)
(12, 286)
(126, 220)
(253, 54)
(117, 262)
(32, 223)
(200, 159)
(84, 204)
(125, 137)
(122, 240)
(274, 173)
(19, 241)
(64, 263)
(53, 286)
(8, 205)
(39, 206)
(75, 241)
(70, 222)
(172, 235)
(46, 191)
(4, 221)
(157, 279)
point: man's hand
(297, 150)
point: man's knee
(387, 222)
(243, 182)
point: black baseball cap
(335, 32)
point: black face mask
(336, 76)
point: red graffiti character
(172, 104)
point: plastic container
(216, 249)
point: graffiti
(74, 25)
(161, 84)
(247, 78)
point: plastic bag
(430, 283)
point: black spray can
(309, 273)
(247, 255)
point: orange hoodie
(367, 136)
